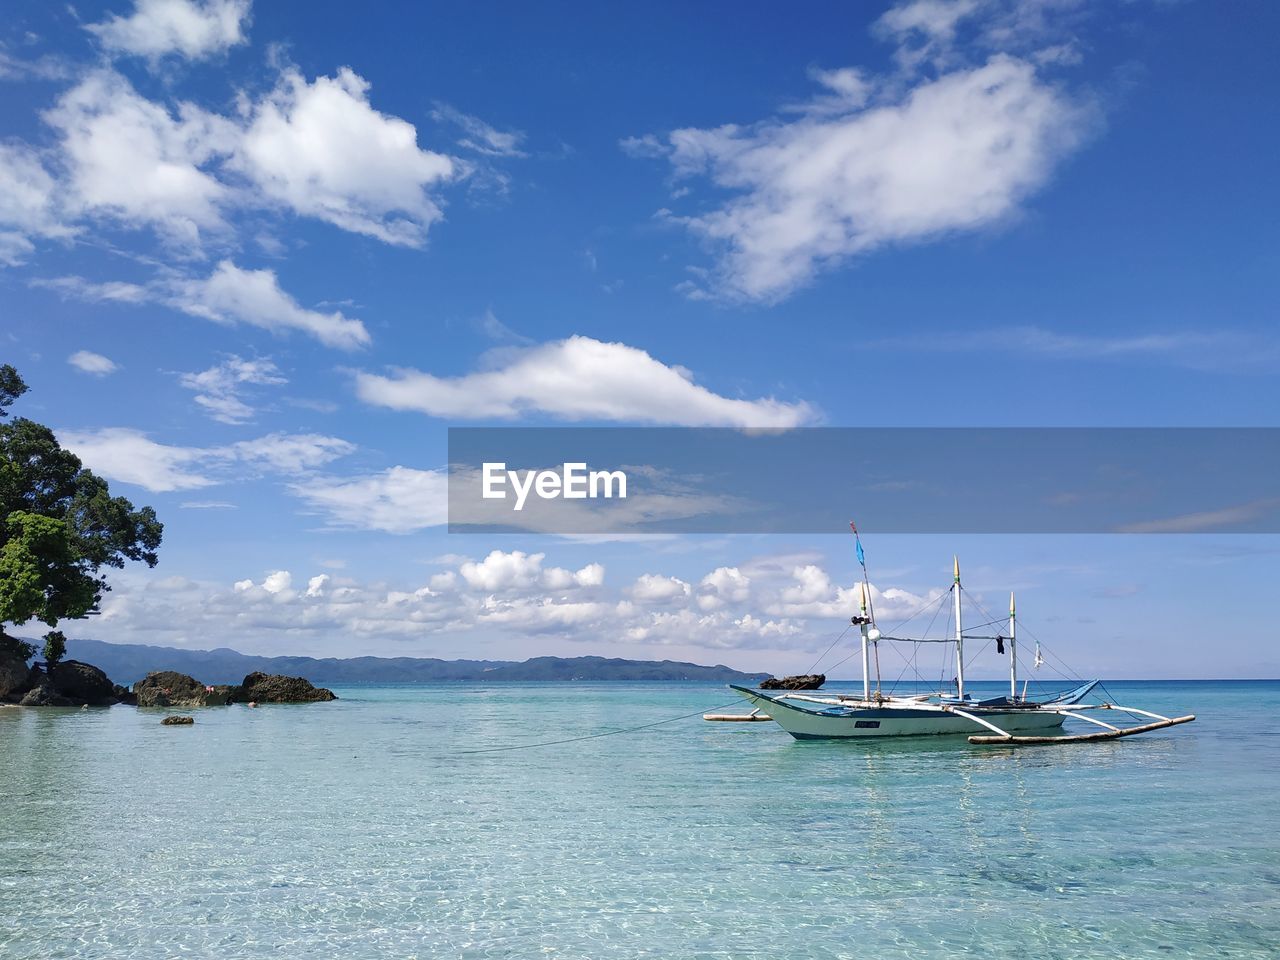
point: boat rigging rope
(604, 733)
(1063, 670)
(923, 608)
(830, 648)
(914, 662)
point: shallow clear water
(361, 828)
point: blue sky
(257, 259)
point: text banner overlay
(567, 480)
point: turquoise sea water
(362, 828)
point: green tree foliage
(14, 649)
(60, 526)
(11, 388)
(55, 648)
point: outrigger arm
(1111, 733)
(1003, 734)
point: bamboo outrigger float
(1011, 720)
(1111, 733)
(755, 716)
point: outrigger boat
(1005, 720)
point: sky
(256, 259)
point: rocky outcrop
(83, 683)
(270, 688)
(15, 676)
(71, 683)
(805, 681)
(44, 694)
(75, 683)
(176, 721)
(167, 688)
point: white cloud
(28, 204)
(322, 150)
(493, 328)
(506, 598)
(78, 288)
(277, 582)
(946, 144)
(228, 295)
(655, 588)
(811, 594)
(120, 453)
(592, 575)
(479, 136)
(935, 33)
(936, 19)
(94, 363)
(15, 247)
(398, 500)
(190, 28)
(233, 295)
(723, 585)
(131, 159)
(542, 614)
(728, 582)
(503, 571)
(218, 389)
(130, 456)
(955, 153)
(925, 28)
(318, 149)
(289, 453)
(812, 584)
(646, 146)
(45, 67)
(578, 379)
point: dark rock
(167, 688)
(43, 694)
(15, 676)
(83, 683)
(805, 681)
(176, 721)
(124, 695)
(270, 688)
(224, 693)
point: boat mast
(955, 588)
(866, 668)
(1013, 649)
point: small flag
(853, 527)
(862, 557)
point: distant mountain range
(127, 663)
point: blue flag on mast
(862, 557)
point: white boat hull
(808, 721)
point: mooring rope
(597, 736)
